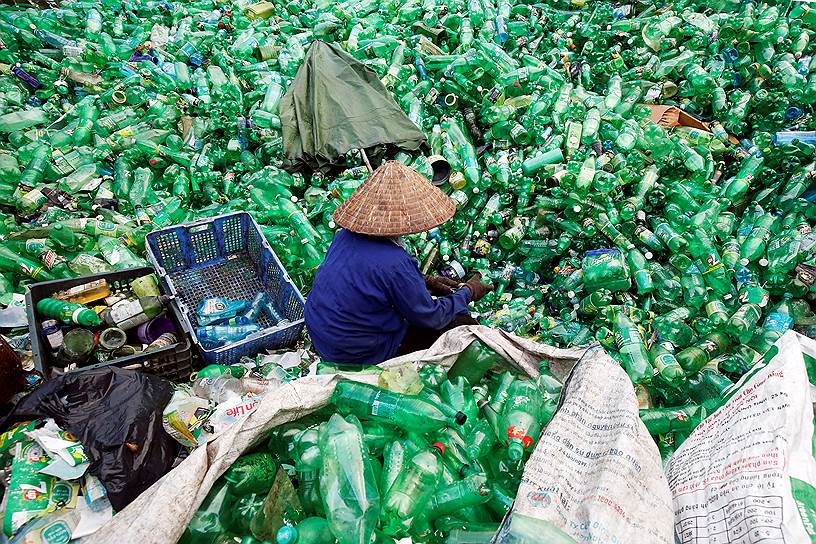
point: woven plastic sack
(161, 514)
(747, 473)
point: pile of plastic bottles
(680, 248)
(441, 455)
(223, 320)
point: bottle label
(29, 270)
(779, 322)
(664, 231)
(754, 295)
(588, 306)
(646, 236)
(212, 306)
(745, 230)
(808, 242)
(51, 258)
(806, 274)
(715, 307)
(708, 346)
(126, 312)
(627, 337)
(481, 248)
(105, 227)
(712, 262)
(519, 433)
(55, 338)
(662, 361)
(383, 407)
(516, 131)
(777, 243)
(166, 339)
(76, 313)
(35, 246)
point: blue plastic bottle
(216, 310)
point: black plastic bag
(117, 415)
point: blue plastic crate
(226, 256)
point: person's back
(369, 300)
(350, 316)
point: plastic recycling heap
(677, 235)
(442, 458)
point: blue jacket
(365, 294)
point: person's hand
(477, 287)
(440, 286)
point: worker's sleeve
(411, 298)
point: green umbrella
(335, 105)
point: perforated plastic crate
(226, 256)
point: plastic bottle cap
(515, 451)
(440, 446)
(286, 535)
(648, 255)
(744, 262)
(460, 418)
(763, 262)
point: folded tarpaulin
(336, 104)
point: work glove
(439, 286)
(477, 287)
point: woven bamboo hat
(393, 201)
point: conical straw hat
(394, 200)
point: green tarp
(337, 104)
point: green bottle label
(663, 361)
(665, 231)
(517, 131)
(105, 227)
(712, 263)
(755, 295)
(627, 337)
(383, 407)
(35, 246)
(715, 307)
(708, 346)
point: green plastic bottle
(409, 494)
(347, 481)
(407, 412)
(667, 367)
(632, 349)
(521, 419)
(742, 324)
(695, 357)
(470, 491)
(474, 362)
(68, 312)
(665, 420)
